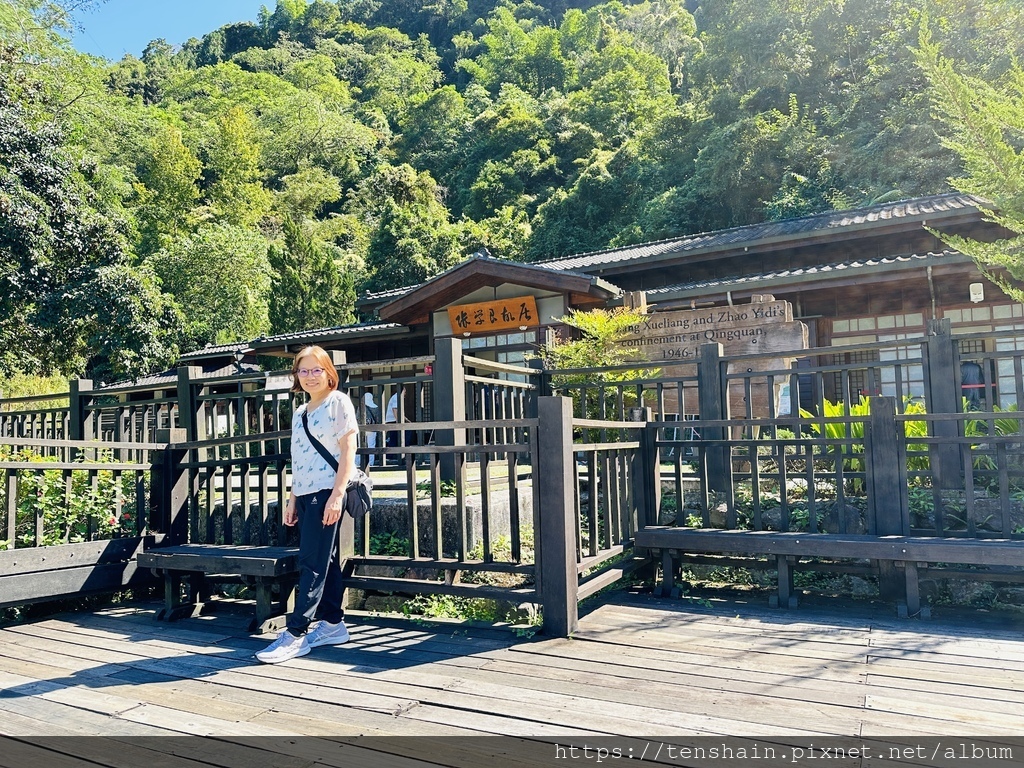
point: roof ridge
(944, 253)
(864, 210)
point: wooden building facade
(873, 274)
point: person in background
(392, 439)
(372, 417)
(972, 384)
(316, 504)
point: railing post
(713, 399)
(542, 386)
(188, 408)
(340, 358)
(557, 577)
(169, 488)
(80, 420)
(943, 395)
(647, 468)
(887, 491)
(449, 399)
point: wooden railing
(594, 478)
(42, 417)
(75, 514)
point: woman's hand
(291, 517)
(332, 511)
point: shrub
(82, 512)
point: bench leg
(913, 607)
(786, 598)
(267, 618)
(668, 573)
(286, 598)
(172, 595)
(173, 608)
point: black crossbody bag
(359, 491)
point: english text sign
(765, 325)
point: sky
(116, 27)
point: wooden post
(340, 358)
(557, 578)
(80, 420)
(169, 488)
(943, 395)
(647, 468)
(188, 408)
(346, 551)
(542, 386)
(449, 399)
(713, 399)
(887, 491)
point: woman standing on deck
(316, 505)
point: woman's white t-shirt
(329, 422)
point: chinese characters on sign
(493, 316)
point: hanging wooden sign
(493, 316)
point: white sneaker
(287, 646)
(327, 634)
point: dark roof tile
(751, 233)
(824, 270)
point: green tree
(984, 124)
(307, 291)
(595, 345)
(236, 194)
(220, 275)
(66, 279)
(412, 237)
(167, 189)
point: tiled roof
(168, 379)
(394, 293)
(824, 272)
(936, 205)
(216, 350)
(373, 297)
(319, 333)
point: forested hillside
(253, 181)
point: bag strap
(331, 461)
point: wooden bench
(907, 553)
(203, 564)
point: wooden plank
(223, 559)
(20, 725)
(689, 678)
(420, 587)
(80, 721)
(30, 560)
(914, 548)
(761, 706)
(728, 662)
(531, 704)
(627, 673)
(724, 646)
(31, 587)
(121, 753)
(964, 718)
(969, 691)
(967, 663)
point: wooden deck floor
(638, 668)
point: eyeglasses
(314, 372)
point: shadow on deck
(638, 668)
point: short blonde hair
(319, 354)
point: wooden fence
(488, 464)
(75, 515)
